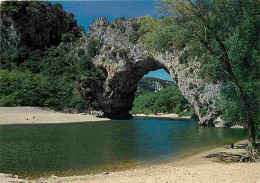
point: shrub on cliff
(68, 38)
(133, 38)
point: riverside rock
(125, 63)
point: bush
(70, 16)
(6, 101)
(11, 7)
(133, 38)
(135, 26)
(22, 88)
(68, 38)
(93, 46)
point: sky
(86, 11)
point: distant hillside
(148, 84)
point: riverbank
(37, 115)
(194, 169)
(162, 115)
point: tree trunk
(252, 130)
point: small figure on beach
(32, 119)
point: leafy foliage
(168, 100)
(26, 88)
(225, 36)
(50, 78)
(12, 7)
(156, 34)
(67, 38)
(133, 38)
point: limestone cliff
(126, 63)
(27, 26)
(149, 84)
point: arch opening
(158, 95)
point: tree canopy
(225, 36)
(50, 78)
(168, 100)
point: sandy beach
(37, 115)
(161, 115)
(194, 169)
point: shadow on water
(79, 148)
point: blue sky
(86, 11)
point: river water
(79, 148)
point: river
(79, 148)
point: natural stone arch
(126, 63)
(116, 97)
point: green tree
(156, 34)
(22, 88)
(50, 78)
(145, 103)
(225, 36)
(168, 100)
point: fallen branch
(252, 155)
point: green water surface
(79, 148)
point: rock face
(34, 25)
(126, 63)
(149, 84)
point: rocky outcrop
(149, 84)
(126, 63)
(27, 26)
